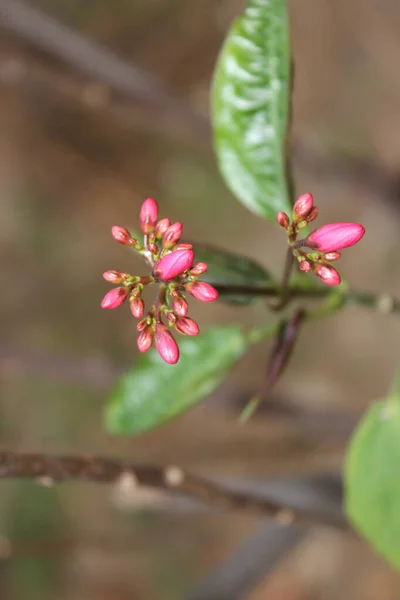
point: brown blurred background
(80, 148)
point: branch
(48, 469)
(90, 58)
(383, 303)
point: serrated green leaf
(372, 478)
(153, 392)
(251, 107)
(225, 268)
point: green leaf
(372, 478)
(251, 107)
(225, 269)
(153, 392)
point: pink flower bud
(148, 215)
(302, 207)
(180, 306)
(166, 345)
(198, 269)
(183, 247)
(202, 291)
(327, 274)
(313, 214)
(172, 235)
(305, 266)
(335, 236)
(332, 256)
(162, 227)
(115, 297)
(113, 276)
(120, 234)
(282, 219)
(137, 307)
(173, 264)
(145, 339)
(187, 326)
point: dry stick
(48, 469)
(47, 34)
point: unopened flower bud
(180, 306)
(335, 236)
(173, 264)
(305, 266)
(166, 344)
(302, 207)
(202, 291)
(162, 227)
(115, 297)
(148, 215)
(330, 256)
(282, 219)
(183, 247)
(326, 274)
(172, 235)
(187, 326)
(113, 276)
(313, 214)
(198, 269)
(170, 316)
(120, 234)
(137, 307)
(145, 339)
(153, 248)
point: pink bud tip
(202, 291)
(173, 264)
(282, 219)
(162, 227)
(335, 236)
(180, 306)
(166, 345)
(187, 326)
(302, 207)
(148, 215)
(113, 276)
(137, 308)
(172, 235)
(327, 274)
(145, 339)
(120, 234)
(332, 256)
(313, 214)
(198, 269)
(115, 297)
(305, 266)
(183, 247)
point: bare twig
(49, 469)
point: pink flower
(162, 227)
(180, 306)
(137, 308)
(148, 215)
(282, 219)
(326, 274)
(174, 264)
(115, 297)
(335, 236)
(145, 340)
(302, 207)
(198, 269)
(120, 234)
(113, 276)
(172, 235)
(166, 345)
(187, 326)
(202, 291)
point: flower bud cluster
(324, 242)
(173, 269)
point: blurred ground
(70, 167)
